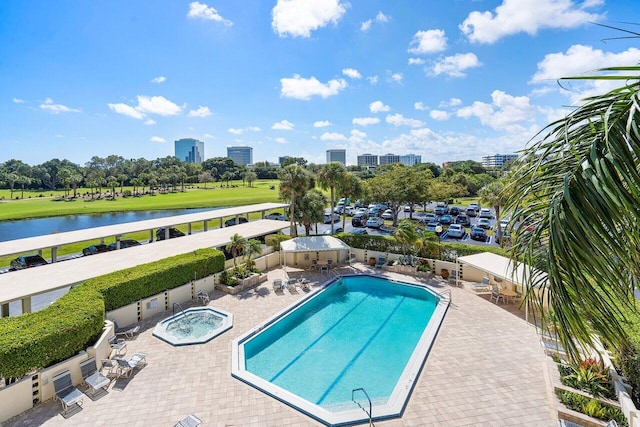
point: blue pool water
(193, 326)
(360, 332)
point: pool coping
(399, 398)
(226, 325)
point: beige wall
(16, 398)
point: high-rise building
(410, 159)
(337, 155)
(497, 160)
(367, 160)
(282, 159)
(189, 150)
(242, 155)
(389, 158)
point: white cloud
(399, 120)
(207, 135)
(505, 113)
(527, 16)
(235, 131)
(50, 106)
(455, 101)
(419, 106)
(380, 18)
(18, 101)
(157, 139)
(281, 140)
(59, 136)
(416, 61)
(250, 129)
(283, 125)
(353, 73)
(200, 112)
(357, 135)
(297, 18)
(454, 66)
(378, 107)
(373, 79)
(159, 79)
(580, 60)
(149, 122)
(396, 77)
(333, 136)
(425, 42)
(202, 11)
(322, 124)
(157, 105)
(126, 110)
(365, 121)
(439, 115)
(300, 88)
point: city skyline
(297, 77)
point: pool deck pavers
(486, 368)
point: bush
(592, 407)
(73, 322)
(589, 376)
(275, 239)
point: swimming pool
(360, 331)
(193, 326)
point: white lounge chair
(190, 421)
(277, 284)
(485, 285)
(92, 378)
(118, 345)
(304, 283)
(203, 297)
(291, 284)
(128, 332)
(381, 262)
(66, 393)
(495, 293)
(126, 367)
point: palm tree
(406, 235)
(578, 197)
(294, 181)
(252, 247)
(310, 208)
(235, 246)
(349, 187)
(329, 177)
(494, 195)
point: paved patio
(486, 368)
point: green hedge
(37, 340)
(275, 239)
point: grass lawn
(36, 206)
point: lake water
(20, 229)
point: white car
(504, 223)
(485, 213)
(388, 214)
(278, 216)
(484, 223)
(456, 231)
(375, 222)
(349, 211)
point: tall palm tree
(578, 196)
(406, 235)
(350, 186)
(310, 208)
(494, 195)
(329, 177)
(294, 181)
(235, 246)
(251, 248)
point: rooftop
(485, 368)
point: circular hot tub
(193, 326)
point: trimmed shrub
(73, 322)
(592, 407)
(275, 239)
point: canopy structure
(313, 244)
(504, 268)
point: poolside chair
(190, 421)
(126, 367)
(565, 423)
(95, 381)
(352, 259)
(291, 284)
(485, 285)
(495, 293)
(203, 297)
(381, 261)
(453, 278)
(118, 345)
(314, 264)
(128, 332)
(66, 393)
(304, 284)
(111, 367)
(277, 284)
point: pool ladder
(184, 313)
(370, 413)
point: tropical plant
(330, 177)
(236, 245)
(349, 187)
(294, 181)
(251, 248)
(406, 235)
(310, 208)
(493, 194)
(578, 195)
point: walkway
(486, 368)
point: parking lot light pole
(438, 232)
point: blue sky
(449, 80)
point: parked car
(441, 210)
(504, 223)
(124, 243)
(456, 231)
(427, 218)
(375, 222)
(232, 221)
(173, 233)
(375, 211)
(359, 231)
(471, 211)
(335, 230)
(454, 211)
(408, 208)
(479, 234)
(359, 219)
(463, 220)
(327, 218)
(95, 249)
(446, 219)
(485, 213)
(433, 226)
(475, 206)
(349, 211)
(502, 237)
(388, 214)
(362, 210)
(278, 216)
(484, 223)
(27, 261)
(338, 209)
